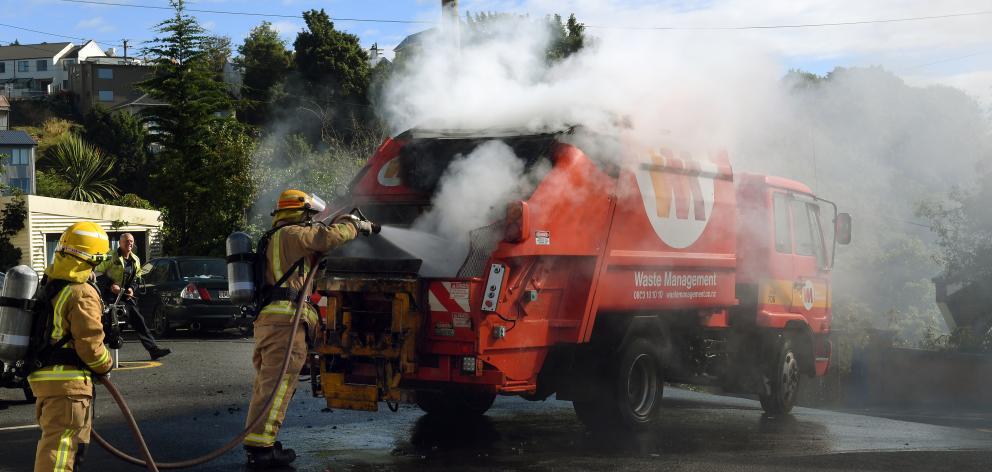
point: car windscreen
(203, 269)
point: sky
(955, 50)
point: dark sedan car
(186, 292)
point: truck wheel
(161, 328)
(782, 379)
(455, 402)
(632, 399)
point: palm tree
(83, 169)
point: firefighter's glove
(364, 227)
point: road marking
(138, 365)
(984, 430)
(15, 428)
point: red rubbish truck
(619, 269)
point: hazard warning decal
(678, 196)
(448, 297)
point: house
(4, 113)
(48, 217)
(109, 82)
(17, 151)
(36, 70)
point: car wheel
(782, 379)
(161, 325)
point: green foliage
(331, 62)
(82, 169)
(265, 63)
(202, 180)
(216, 51)
(567, 38)
(49, 183)
(133, 201)
(183, 79)
(12, 219)
(121, 136)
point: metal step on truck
(617, 272)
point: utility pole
(125, 51)
(449, 23)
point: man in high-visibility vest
(292, 250)
(64, 386)
(123, 267)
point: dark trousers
(137, 323)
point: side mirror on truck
(842, 228)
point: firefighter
(291, 252)
(64, 386)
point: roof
(31, 51)
(73, 53)
(16, 138)
(414, 40)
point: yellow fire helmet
(292, 205)
(81, 247)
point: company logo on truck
(685, 286)
(389, 174)
(809, 295)
(678, 196)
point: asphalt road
(196, 399)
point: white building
(31, 70)
(49, 217)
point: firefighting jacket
(114, 268)
(78, 312)
(286, 246)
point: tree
(199, 181)
(83, 171)
(121, 136)
(567, 38)
(265, 63)
(334, 77)
(217, 50)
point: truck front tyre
(632, 400)
(455, 403)
(781, 380)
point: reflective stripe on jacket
(286, 246)
(77, 311)
(114, 268)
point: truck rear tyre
(455, 402)
(632, 399)
(781, 380)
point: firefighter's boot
(273, 457)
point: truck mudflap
(368, 340)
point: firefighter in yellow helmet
(64, 385)
(293, 246)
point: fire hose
(148, 462)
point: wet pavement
(196, 400)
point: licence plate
(223, 294)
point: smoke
(475, 189)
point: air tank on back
(15, 321)
(240, 268)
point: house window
(22, 66)
(22, 183)
(65, 84)
(105, 74)
(106, 95)
(42, 64)
(3, 67)
(66, 63)
(19, 157)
